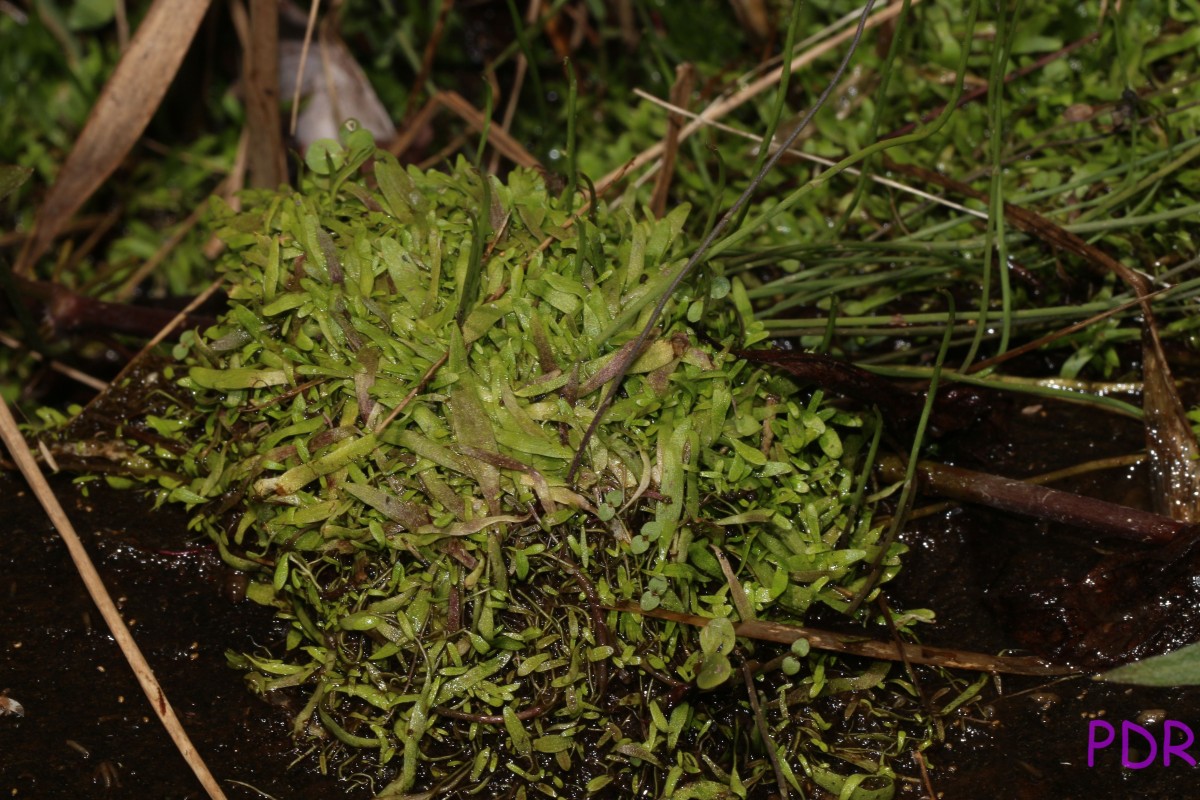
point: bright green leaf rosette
(380, 428)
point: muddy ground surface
(995, 581)
(88, 731)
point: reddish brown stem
(532, 712)
(1169, 439)
(858, 645)
(67, 310)
(1041, 502)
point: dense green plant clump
(380, 428)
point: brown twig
(798, 153)
(514, 95)
(726, 105)
(497, 138)
(539, 709)
(76, 225)
(420, 387)
(431, 46)
(309, 28)
(1041, 502)
(456, 103)
(600, 630)
(1054, 336)
(453, 146)
(919, 757)
(866, 647)
(685, 78)
(413, 127)
(1038, 480)
(67, 310)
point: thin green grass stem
(780, 102)
(904, 504)
(524, 35)
(995, 242)
(800, 280)
(1069, 312)
(748, 229)
(821, 289)
(885, 78)
(1097, 205)
(718, 195)
(524, 42)
(1037, 387)
(1116, 198)
(1090, 179)
(572, 99)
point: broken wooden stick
(1042, 502)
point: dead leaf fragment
(10, 707)
(129, 99)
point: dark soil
(996, 582)
(88, 731)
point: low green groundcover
(380, 430)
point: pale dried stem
(723, 106)
(408, 398)
(77, 224)
(308, 34)
(825, 162)
(121, 17)
(435, 38)
(499, 139)
(685, 77)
